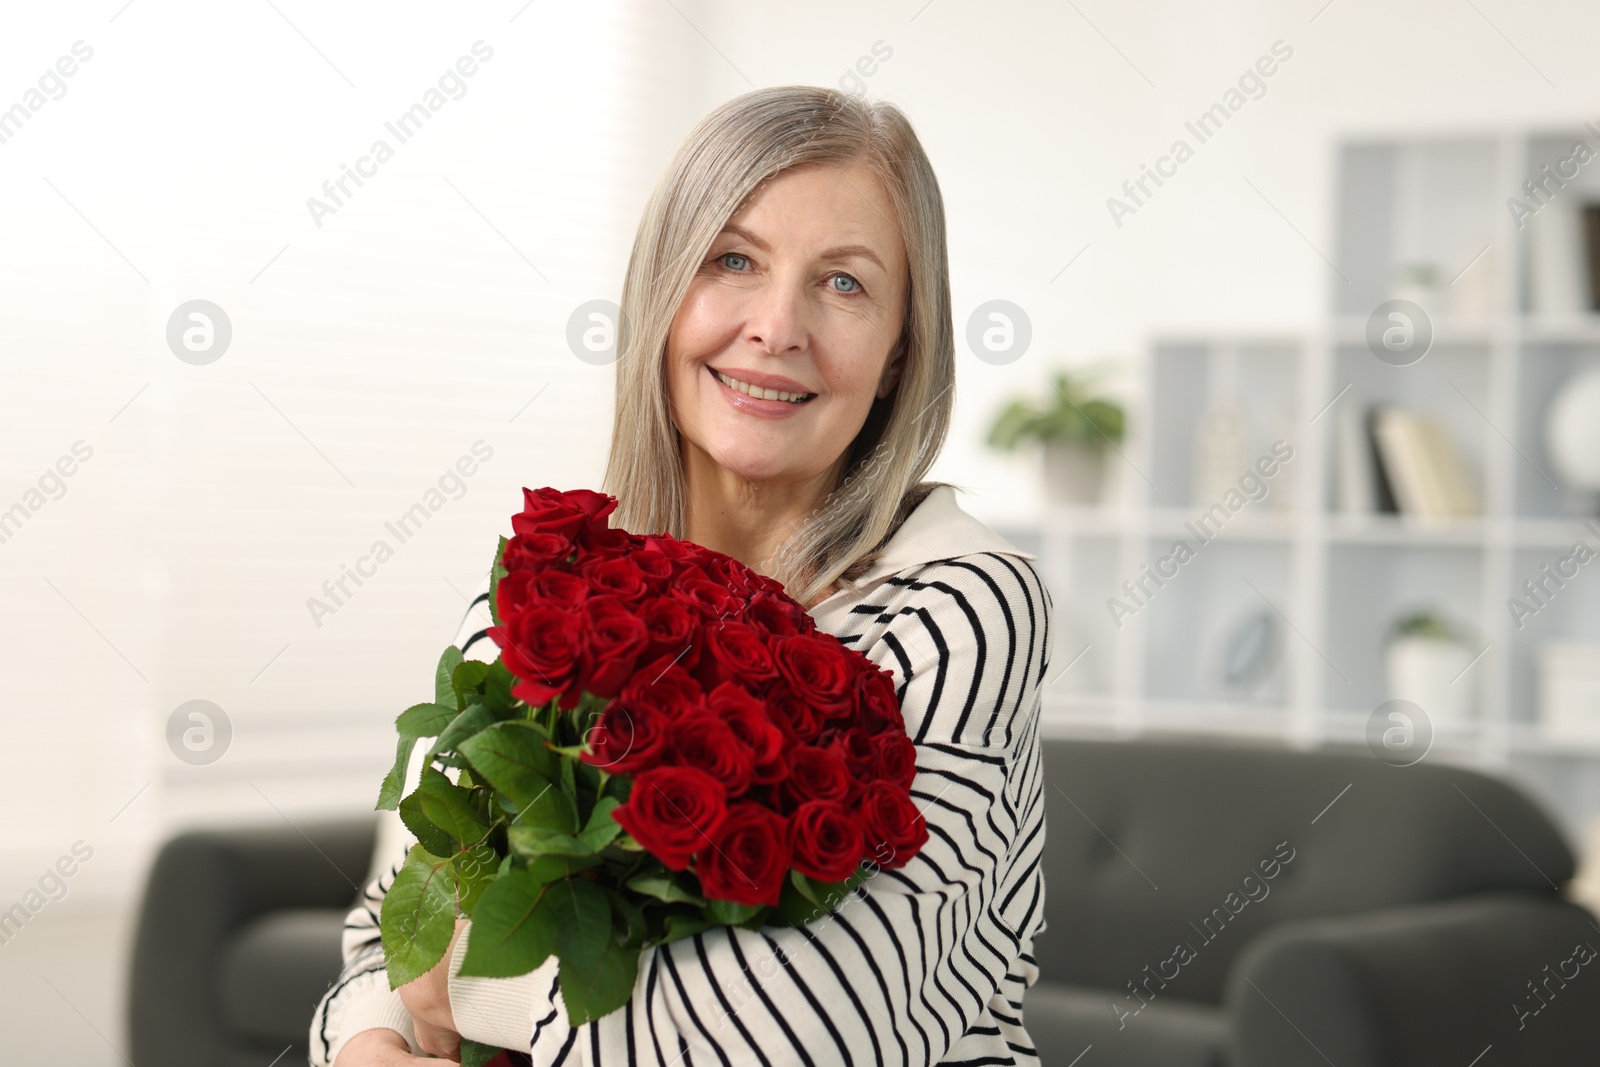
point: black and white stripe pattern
(930, 963)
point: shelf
(1528, 739)
(1383, 529)
(1561, 329)
(1264, 525)
(1350, 331)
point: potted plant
(1074, 425)
(1424, 658)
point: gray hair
(722, 161)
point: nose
(775, 317)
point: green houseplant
(1425, 661)
(1074, 424)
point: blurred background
(1346, 331)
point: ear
(891, 372)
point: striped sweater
(928, 964)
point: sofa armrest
(1425, 984)
(204, 886)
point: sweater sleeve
(923, 963)
(360, 998)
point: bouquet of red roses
(665, 743)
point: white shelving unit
(1333, 582)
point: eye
(732, 255)
(855, 285)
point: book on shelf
(1421, 464)
(1591, 247)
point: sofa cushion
(1064, 1020)
(1168, 858)
(275, 970)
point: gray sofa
(1205, 905)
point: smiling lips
(760, 392)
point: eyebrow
(840, 252)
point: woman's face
(803, 293)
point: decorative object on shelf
(1557, 274)
(1591, 251)
(1425, 659)
(1247, 657)
(1569, 689)
(1418, 283)
(1075, 425)
(1572, 437)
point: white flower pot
(1427, 672)
(1073, 473)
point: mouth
(758, 392)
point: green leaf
(630, 917)
(475, 869)
(468, 679)
(497, 687)
(601, 827)
(515, 928)
(496, 572)
(416, 722)
(667, 887)
(476, 1054)
(728, 913)
(444, 692)
(569, 789)
(447, 806)
(684, 926)
(512, 757)
(472, 719)
(429, 836)
(418, 917)
(597, 973)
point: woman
(784, 387)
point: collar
(937, 529)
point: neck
(747, 520)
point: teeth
(758, 392)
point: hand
(427, 1001)
(379, 1048)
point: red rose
(750, 859)
(535, 551)
(670, 624)
(816, 774)
(605, 541)
(655, 567)
(853, 746)
(819, 667)
(625, 740)
(697, 589)
(541, 647)
(521, 591)
(703, 741)
(670, 547)
(617, 575)
(664, 686)
(673, 812)
(894, 759)
(733, 650)
(614, 638)
(895, 828)
(776, 614)
(877, 707)
(747, 719)
(826, 840)
(551, 511)
(792, 712)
